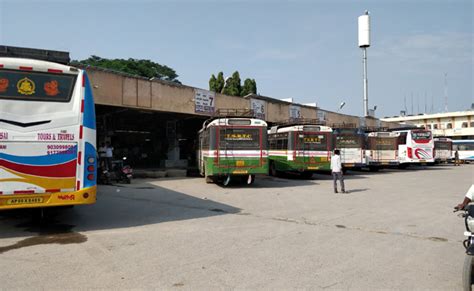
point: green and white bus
(300, 148)
(233, 149)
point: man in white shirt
(336, 169)
(467, 198)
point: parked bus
(465, 148)
(47, 135)
(381, 149)
(415, 146)
(299, 148)
(351, 143)
(233, 148)
(443, 149)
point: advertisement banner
(204, 101)
(295, 112)
(258, 107)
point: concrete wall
(128, 91)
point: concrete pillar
(173, 153)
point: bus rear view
(47, 135)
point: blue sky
(306, 50)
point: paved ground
(395, 229)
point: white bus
(465, 148)
(415, 146)
(47, 135)
(351, 143)
(443, 149)
(382, 149)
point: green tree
(212, 83)
(250, 87)
(236, 84)
(220, 82)
(144, 68)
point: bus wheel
(226, 180)
(250, 179)
(273, 170)
(306, 175)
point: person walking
(336, 169)
(456, 158)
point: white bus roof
(35, 65)
(442, 139)
(383, 134)
(235, 121)
(278, 129)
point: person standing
(456, 158)
(336, 169)
(109, 154)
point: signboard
(295, 112)
(321, 115)
(204, 101)
(258, 107)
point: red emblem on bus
(3, 85)
(51, 88)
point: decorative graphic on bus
(3, 85)
(52, 171)
(422, 154)
(26, 86)
(51, 88)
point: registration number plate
(17, 201)
(240, 163)
(348, 165)
(240, 172)
(313, 168)
(422, 161)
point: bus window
(239, 138)
(316, 142)
(348, 141)
(36, 86)
(402, 139)
(421, 135)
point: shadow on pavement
(116, 207)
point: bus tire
(467, 273)
(273, 170)
(306, 175)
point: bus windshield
(382, 143)
(421, 135)
(440, 145)
(239, 138)
(348, 141)
(312, 141)
(36, 86)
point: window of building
(428, 126)
(464, 125)
(472, 124)
(449, 125)
(435, 126)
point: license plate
(313, 168)
(348, 165)
(422, 161)
(17, 201)
(240, 163)
(240, 172)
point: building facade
(455, 125)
